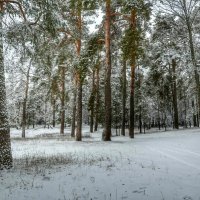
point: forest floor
(156, 166)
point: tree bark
(5, 145)
(106, 136)
(132, 85)
(91, 103)
(97, 100)
(25, 103)
(62, 125)
(74, 113)
(175, 104)
(54, 113)
(123, 98)
(79, 110)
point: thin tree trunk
(97, 100)
(54, 113)
(123, 98)
(175, 105)
(62, 126)
(106, 136)
(74, 113)
(5, 146)
(24, 103)
(91, 103)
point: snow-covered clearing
(157, 166)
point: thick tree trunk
(106, 136)
(5, 146)
(175, 104)
(62, 122)
(79, 110)
(123, 98)
(132, 107)
(132, 85)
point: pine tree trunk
(192, 51)
(24, 104)
(175, 104)
(79, 110)
(132, 85)
(92, 100)
(74, 114)
(123, 98)
(62, 126)
(97, 100)
(132, 107)
(5, 145)
(54, 113)
(106, 136)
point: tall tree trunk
(25, 103)
(5, 146)
(123, 98)
(106, 136)
(74, 113)
(192, 51)
(79, 110)
(97, 100)
(175, 105)
(91, 103)
(78, 135)
(132, 85)
(62, 125)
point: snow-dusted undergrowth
(152, 167)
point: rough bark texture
(123, 98)
(106, 136)
(5, 146)
(132, 85)
(174, 92)
(79, 111)
(62, 126)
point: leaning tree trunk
(174, 92)
(106, 136)
(62, 126)
(123, 98)
(5, 146)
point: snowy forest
(106, 70)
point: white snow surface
(156, 166)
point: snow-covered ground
(157, 166)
